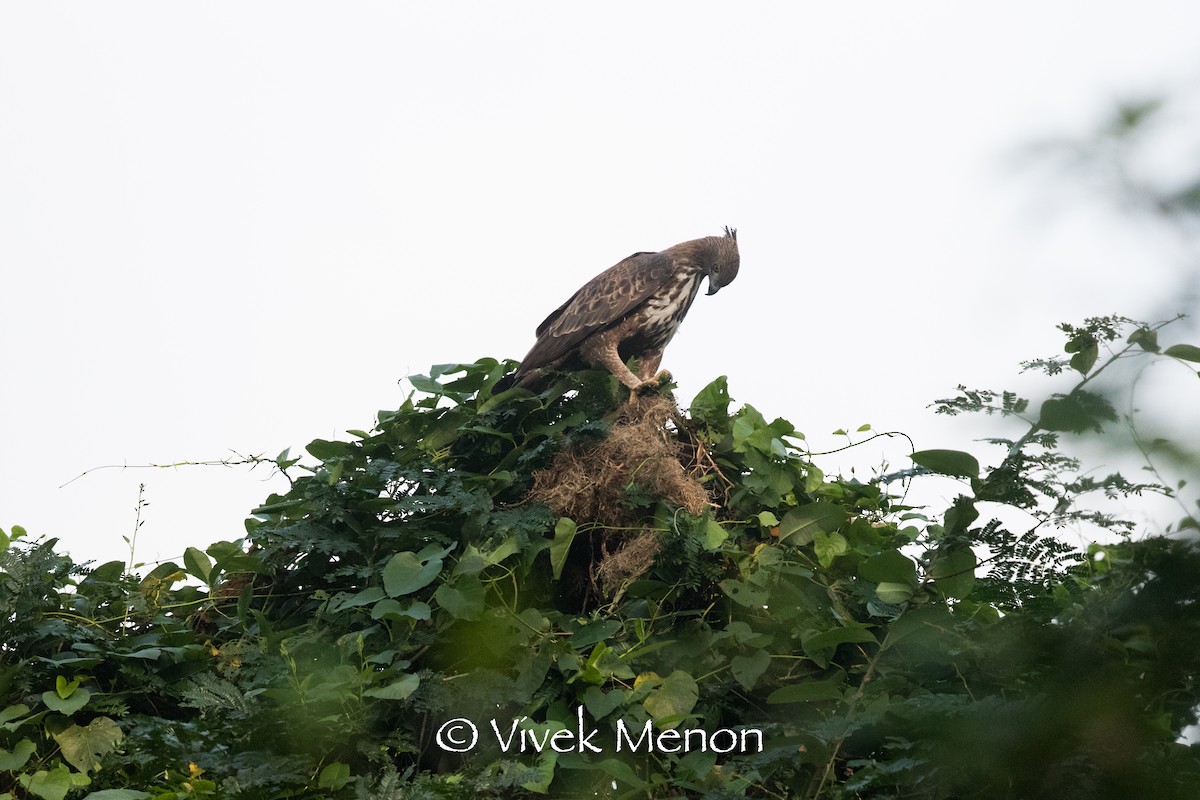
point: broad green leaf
(1085, 358)
(503, 476)
(813, 478)
(711, 404)
(407, 572)
(283, 460)
(344, 600)
(83, 747)
(836, 636)
(471, 562)
(673, 699)
(800, 524)
(752, 433)
(78, 699)
(106, 573)
(767, 519)
(595, 631)
(714, 535)
(1145, 338)
(746, 669)
(451, 368)
(422, 383)
(744, 594)
(10, 713)
(532, 667)
(1076, 412)
(327, 450)
(601, 703)
(463, 600)
(50, 785)
(1078, 342)
(564, 534)
(602, 665)
(953, 571)
(334, 776)
(829, 546)
(820, 647)
(394, 609)
(743, 634)
(118, 794)
(948, 462)
(63, 688)
(275, 508)
(197, 563)
(508, 547)
(146, 653)
(236, 561)
(646, 681)
(1185, 351)
(895, 593)
(960, 515)
(167, 573)
(542, 771)
(808, 691)
(890, 565)
(397, 690)
(13, 760)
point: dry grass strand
(588, 484)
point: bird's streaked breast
(665, 310)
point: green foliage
(808, 637)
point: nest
(592, 484)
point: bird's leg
(648, 371)
(601, 350)
(648, 364)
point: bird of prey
(632, 309)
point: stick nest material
(591, 484)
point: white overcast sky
(235, 226)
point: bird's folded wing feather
(603, 301)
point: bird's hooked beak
(713, 286)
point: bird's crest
(731, 232)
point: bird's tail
(534, 380)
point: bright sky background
(235, 226)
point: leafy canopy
(404, 581)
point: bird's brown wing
(604, 301)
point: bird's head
(721, 265)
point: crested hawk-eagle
(632, 309)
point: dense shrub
(783, 633)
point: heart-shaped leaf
(13, 760)
(83, 747)
(68, 706)
(673, 699)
